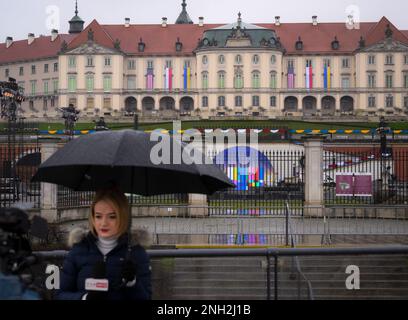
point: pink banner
(354, 184)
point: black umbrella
(30, 159)
(127, 159)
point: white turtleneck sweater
(105, 245)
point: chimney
(201, 21)
(314, 18)
(164, 22)
(9, 42)
(127, 22)
(54, 34)
(277, 21)
(30, 38)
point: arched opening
(328, 106)
(186, 105)
(309, 106)
(167, 103)
(346, 104)
(148, 105)
(291, 104)
(130, 105)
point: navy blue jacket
(79, 265)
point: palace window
(221, 101)
(45, 87)
(371, 102)
(371, 59)
(72, 84)
(345, 82)
(89, 61)
(89, 83)
(221, 80)
(204, 80)
(205, 101)
(389, 101)
(273, 82)
(238, 101)
(71, 62)
(256, 80)
(272, 101)
(371, 80)
(388, 80)
(346, 63)
(131, 64)
(273, 59)
(238, 82)
(131, 82)
(255, 101)
(205, 60)
(389, 59)
(405, 78)
(255, 59)
(33, 87)
(107, 83)
(221, 59)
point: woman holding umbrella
(101, 265)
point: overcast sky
(40, 16)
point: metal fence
(366, 177)
(68, 198)
(265, 274)
(18, 163)
(172, 225)
(263, 181)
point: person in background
(104, 253)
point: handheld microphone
(98, 282)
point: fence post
(314, 199)
(48, 202)
(197, 205)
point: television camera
(10, 95)
(16, 257)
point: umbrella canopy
(124, 158)
(30, 159)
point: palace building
(186, 69)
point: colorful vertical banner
(150, 79)
(187, 78)
(291, 77)
(327, 77)
(309, 75)
(168, 79)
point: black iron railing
(366, 176)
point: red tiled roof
(100, 36)
(318, 39)
(158, 40)
(42, 47)
(161, 41)
(377, 33)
